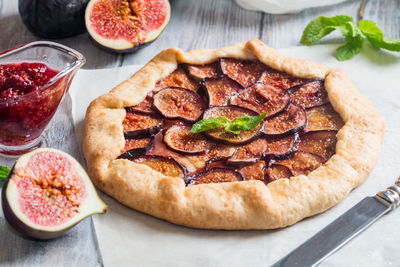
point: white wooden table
(194, 24)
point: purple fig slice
(125, 26)
(179, 138)
(323, 118)
(220, 90)
(249, 153)
(164, 165)
(179, 103)
(281, 146)
(217, 163)
(140, 125)
(321, 143)
(46, 193)
(290, 120)
(200, 72)
(144, 107)
(216, 175)
(302, 162)
(136, 147)
(277, 171)
(280, 80)
(262, 98)
(177, 78)
(255, 171)
(244, 72)
(310, 94)
(231, 112)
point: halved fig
(46, 193)
(123, 26)
(249, 153)
(302, 162)
(179, 103)
(261, 98)
(145, 107)
(322, 143)
(231, 112)
(244, 72)
(281, 146)
(277, 171)
(136, 147)
(290, 120)
(254, 171)
(220, 90)
(323, 118)
(178, 78)
(201, 72)
(280, 79)
(310, 94)
(216, 175)
(179, 138)
(140, 125)
(164, 165)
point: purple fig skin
(20, 227)
(137, 152)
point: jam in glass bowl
(33, 80)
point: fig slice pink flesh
(178, 78)
(323, 118)
(321, 143)
(277, 171)
(292, 119)
(201, 72)
(281, 146)
(47, 192)
(164, 165)
(255, 171)
(310, 94)
(244, 72)
(141, 125)
(145, 107)
(302, 162)
(249, 153)
(216, 175)
(220, 90)
(280, 80)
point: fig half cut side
(123, 26)
(179, 103)
(46, 193)
(231, 112)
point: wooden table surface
(194, 24)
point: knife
(343, 229)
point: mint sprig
(322, 26)
(242, 123)
(4, 171)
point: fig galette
(317, 139)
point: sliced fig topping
(281, 146)
(310, 94)
(164, 165)
(179, 103)
(179, 139)
(302, 162)
(288, 121)
(254, 171)
(244, 72)
(262, 98)
(322, 143)
(177, 78)
(139, 125)
(214, 163)
(231, 112)
(280, 79)
(145, 107)
(276, 172)
(136, 147)
(323, 118)
(201, 72)
(249, 153)
(217, 175)
(220, 90)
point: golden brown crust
(237, 205)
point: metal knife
(343, 229)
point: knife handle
(391, 196)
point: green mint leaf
(323, 26)
(4, 171)
(351, 48)
(375, 36)
(209, 123)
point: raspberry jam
(27, 101)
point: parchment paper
(130, 238)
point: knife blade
(343, 229)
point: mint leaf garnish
(245, 122)
(375, 36)
(4, 171)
